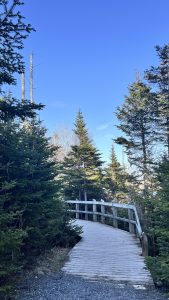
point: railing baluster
(77, 210)
(131, 217)
(86, 209)
(115, 221)
(94, 210)
(103, 212)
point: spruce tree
(31, 217)
(42, 214)
(115, 166)
(82, 167)
(159, 76)
(138, 123)
(13, 31)
(115, 178)
(11, 237)
(158, 225)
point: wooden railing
(106, 212)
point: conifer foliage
(138, 122)
(82, 167)
(13, 31)
(32, 218)
(115, 178)
(158, 225)
(159, 77)
(144, 121)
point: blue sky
(86, 53)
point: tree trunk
(144, 156)
(167, 136)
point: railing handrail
(110, 204)
(130, 207)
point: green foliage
(82, 175)
(115, 179)
(137, 118)
(13, 31)
(144, 121)
(10, 108)
(157, 225)
(31, 216)
(159, 76)
(159, 267)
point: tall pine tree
(137, 122)
(159, 76)
(13, 31)
(115, 179)
(82, 167)
(157, 228)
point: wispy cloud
(104, 126)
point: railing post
(144, 242)
(115, 222)
(131, 217)
(86, 209)
(94, 211)
(77, 209)
(103, 212)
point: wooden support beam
(94, 210)
(77, 209)
(103, 212)
(131, 217)
(86, 214)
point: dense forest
(37, 174)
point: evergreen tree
(42, 214)
(115, 167)
(11, 237)
(137, 122)
(31, 216)
(159, 76)
(158, 225)
(115, 178)
(13, 31)
(82, 167)
(11, 108)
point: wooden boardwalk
(107, 253)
